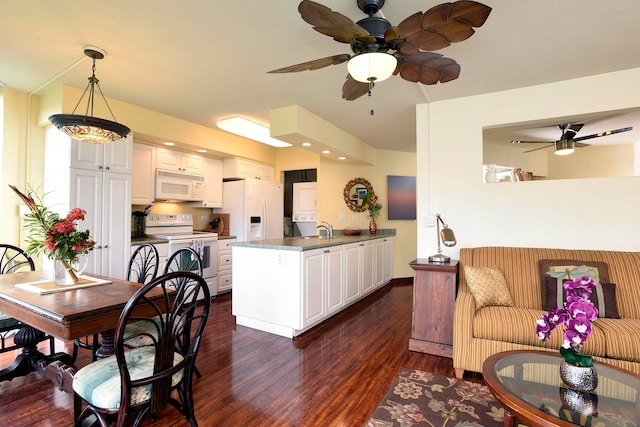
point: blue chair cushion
(99, 382)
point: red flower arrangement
(55, 236)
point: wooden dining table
(67, 313)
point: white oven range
(178, 230)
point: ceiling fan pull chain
(370, 95)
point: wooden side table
(434, 296)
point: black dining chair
(137, 382)
(142, 268)
(14, 260)
(143, 264)
(184, 259)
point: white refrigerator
(256, 209)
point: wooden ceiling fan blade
(539, 148)
(353, 89)
(607, 133)
(330, 23)
(314, 65)
(519, 141)
(444, 24)
(428, 68)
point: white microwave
(181, 186)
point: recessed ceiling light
(326, 152)
(342, 158)
(201, 150)
(306, 144)
(252, 130)
(170, 144)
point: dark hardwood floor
(334, 375)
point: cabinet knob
(107, 168)
(100, 167)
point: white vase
(69, 273)
(491, 174)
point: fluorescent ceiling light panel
(252, 130)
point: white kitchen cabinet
(368, 267)
(225, 264)
(103, 194)
(286, 290)
(360, 269)
(179, 161)
(388, 259)
(378, 263)
(313, 283)
(246, 169)
(352, 273)
(143, 174)
(322, 287)
(114, 157)
(105, 197)
(212, 184)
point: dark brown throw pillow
(599, 271)
(603, 297)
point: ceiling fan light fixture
(372, 66)
(564, 147)
(87, 127)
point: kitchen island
(287, 286)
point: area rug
(420, 398)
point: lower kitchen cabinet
(225, 263)
(285, 290)
(322, 288)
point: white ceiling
(203, 60)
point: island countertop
(309, 243)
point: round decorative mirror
(354, 193)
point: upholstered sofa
(492, 318)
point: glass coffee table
(528, 385)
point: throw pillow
(488, 286)
(603, 297)
(570, 269)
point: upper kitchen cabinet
(113, 157)
(245, 169)
(102, 192)
(178, 161)
(212, 184)
(143, 175)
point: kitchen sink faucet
(328, 228)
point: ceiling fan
(405, 49)
(567, 142)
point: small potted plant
(370, 203)
(576, 316)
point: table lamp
(448, 239)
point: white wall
(596, 213)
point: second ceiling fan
(567, 142)
(406, 49)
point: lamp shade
(89, 129)
(564, 147)
(372, 66)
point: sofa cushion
(518, 325)
(598, 271)
(488, 286)
(622, 338)
(603, 297)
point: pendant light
(87, 127)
